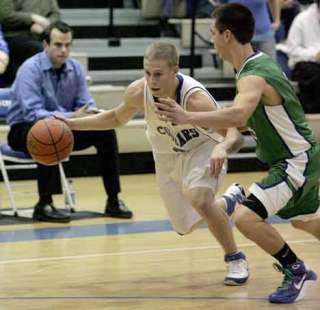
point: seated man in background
(4, 56)
(50, 83)
(23, 22)
(303, 48)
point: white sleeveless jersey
(166, 137)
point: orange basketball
(49, 141)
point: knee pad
(254, 204)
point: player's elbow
(109, 119)
(238, 122)
(118, 122)
(240, 119)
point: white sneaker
(238, 271)
(234, 194)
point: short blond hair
(164, 51)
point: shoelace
(237, 266)
(288, 276)
(234, 190)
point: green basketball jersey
(281, 131)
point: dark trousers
(48, 177)
(21, 48)
(307, 74)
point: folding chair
(22, 161)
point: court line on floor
(145, 298)
(63, 232)
(140, 252)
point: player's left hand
(86, 110)
(217, 159)
(67, 121)
(169, 110)
(81, 112)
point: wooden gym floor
(106, 263)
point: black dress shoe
(48, 213)
(118, 209)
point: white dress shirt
(304, 36)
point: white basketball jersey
(166, 137)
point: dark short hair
(61, 26)
(237, 18)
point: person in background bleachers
(303, 48)
(289, 10)
(51, 83)
(168, 10)
(4, 56)
(203, 8)
(23, 22)
(264, 37)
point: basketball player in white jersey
(189, 161)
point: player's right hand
(217, 159)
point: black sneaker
(118, 209)
(48, 213)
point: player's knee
(303, 225)
(245, 226)
(183, 230)
(312, 227)
(186, 228)
(201, 199)
(246, 217)
(241, 222)
(297, 224)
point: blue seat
(8, 153)
(20, 160)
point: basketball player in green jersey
(267, 105)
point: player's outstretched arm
(250, 90)
(109, 119)
(100, 121)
